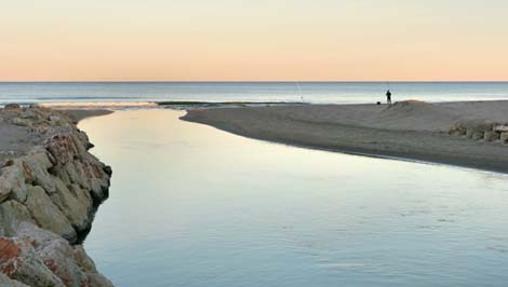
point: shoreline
(406, 130)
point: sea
(133, 93)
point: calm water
(309, 92)
(194, 206)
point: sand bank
(410, 130)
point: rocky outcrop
(481, 130)
(50, 188)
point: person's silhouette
(389, 97)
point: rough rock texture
(50, 188)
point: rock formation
(50, 188)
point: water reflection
(194, 206)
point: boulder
(504, 137)
(22, 122)
(12, 214)
(12, 106)
(75, 203)
(71, 265)
(19, 261)
(47, 214)
(12, 180)
(458, 129)
(491, 136)
(38, 164)
(6, 281)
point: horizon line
(254, 81)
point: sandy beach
(458, 133)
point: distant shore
(469, 134)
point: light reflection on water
(194, 206)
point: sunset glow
(272, 40)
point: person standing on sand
(389, 97)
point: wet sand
(409, 130)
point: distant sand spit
(411, 129)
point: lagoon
(194, 206)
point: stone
(6, 281)
(12, 106)
(47, 215)
(12, 214)
(5, 190)
(21, 122)
(38, 163)
(75, 203)
(48, 196)
(12, 180)
(69, 263)
(476, 135)
(458, 129)
(19, 261)
(491, 136)
(504, 137)
(501, 128)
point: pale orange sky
(262, 40)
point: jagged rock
(47, 214)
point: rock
(501, 128)
(19, 261)
(12, 214)
(38, 164)
(75, 204)
(5, 190)
(6, 281)
(21, 122)
(48, 196)
(108, 170)
(12, 106)
(475, 135)
(458, 129)
(69, 263)
(504, 137)
(47, 214)
(491, 136)
(13, 179)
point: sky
(253, 40)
